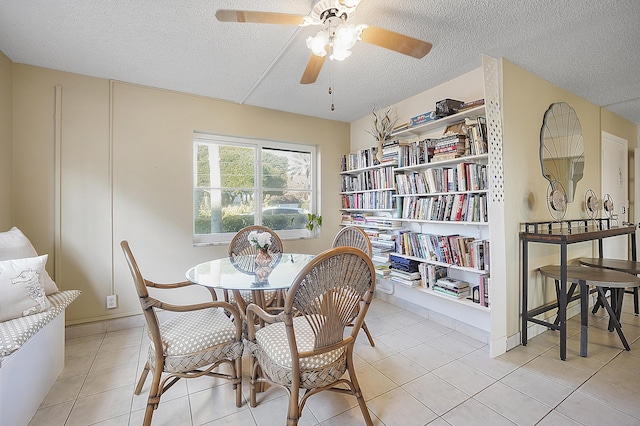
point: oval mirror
(562, 148)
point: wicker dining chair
(352, 236)
(193, 343)
(305, 347)
(243, 255)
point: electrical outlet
(112, 301)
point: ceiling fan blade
(396, 41)
(226, 15)
(313, 69)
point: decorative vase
(263, 265)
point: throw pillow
(15, 245)
(21, 290)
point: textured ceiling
(588, 47)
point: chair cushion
(193, 331)
(198, 338)
(16, 332)
(272, 339)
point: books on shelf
(374, 200)
(453, 249)
(483, 296)
(368, 180)
(368, 220)
(461, 207)
(452, 287)
(359, 160)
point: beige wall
(6, 141)
(526, 98)
(127, 173)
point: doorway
(614, 174)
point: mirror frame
(562, 148)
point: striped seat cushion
(14, 333)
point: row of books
(435, 278)
(379, 178)
(476, 131)
(416, 153)
(391, 151)
(462, 177)
(367, 219)
(450, 249)
(452, 287)
(450, 207)
(359, 160)
(449, 147)
(383, 200)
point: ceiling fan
(337, 37)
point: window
(241, 182)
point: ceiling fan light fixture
(346, 35)
(339, 54)
(318, 42)
(350, 3)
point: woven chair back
(243, 254)
(352, 236)
(327, 292)
(146, 302)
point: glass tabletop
(227, 274)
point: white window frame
(258, 144)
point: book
(405, 275)
(452, 283)
(451, 293)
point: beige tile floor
(419, 373)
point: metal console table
(562, 233)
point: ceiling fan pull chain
(331, 85)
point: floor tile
(437, 394)
(556, 419)
(169, 413)
(397, 407)
(55, 415)
(420, 372)
(494, 367)
(243, 418)
(536, 386)
(615, 396)
(398, 340)
(427, 356)
(472, 412)
(100, 407)
(468, 379)
(557, 371)
(452, 346)
(214, 403)
(399, 369)
(589, 411)
(422, 331)
(512, 404)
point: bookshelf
(440, 189)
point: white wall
(467, 87)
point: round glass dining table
(230, 274)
